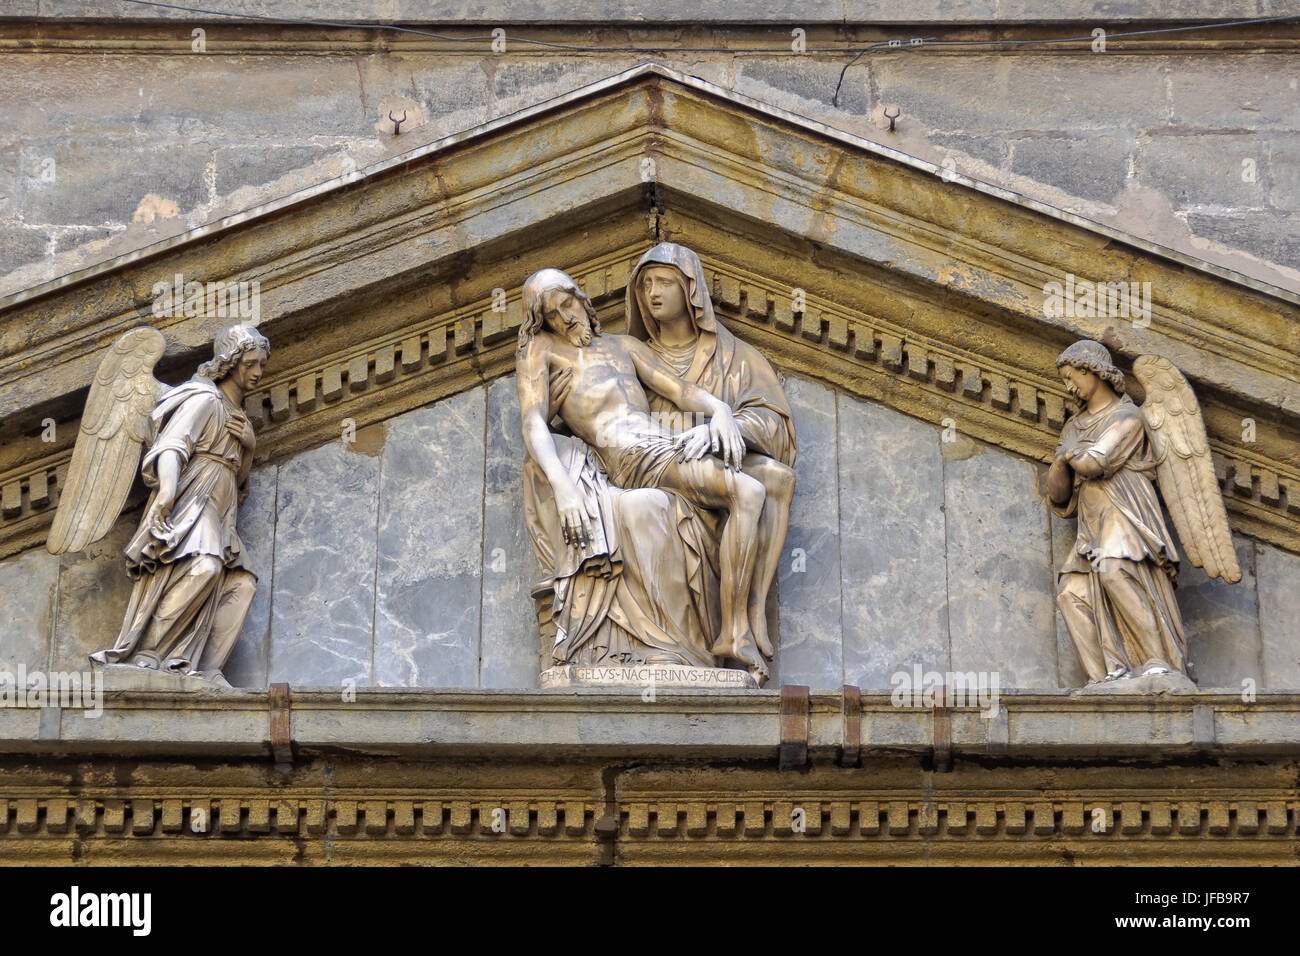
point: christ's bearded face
(566, 316)
(663, 292)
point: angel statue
(193, 586)
(1116, 590)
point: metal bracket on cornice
(794, 727)
(941, 730)
(851, 746)
(281, 741)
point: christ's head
(553, 301)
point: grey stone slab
(1069, 671)
(93, 591)
(248, 662)
(323, 581)
(107, 182)
(429, 579)
(240, 166)
(811, 650)
(1092, 166)
(1221, 621)
(1242, 91)
(1205, 168)
(28, 587)
(803, 83)
(1277, 576)
(1271, 236)
(511, 644)
(1001, 598)
(892, 567)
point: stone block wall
(400, 559)
(1182, 142)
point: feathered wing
(114, 427)
(1185, 469)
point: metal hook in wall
(891, 119)
(397, 123)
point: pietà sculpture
(193, 586)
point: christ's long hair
(535, 288)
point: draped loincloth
(642, 465)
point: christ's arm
(657, 376)
(533, 369)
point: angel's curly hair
(1093, 357)
(229, 346)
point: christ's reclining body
(601, 397)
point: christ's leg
(708, 483)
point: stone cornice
(699, 725)
(597, 776)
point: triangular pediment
(870, 270)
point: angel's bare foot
(1154, 670)
(1116, 675)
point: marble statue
(1116, 590)
(669, 308)
(614, 506)
(193, 586)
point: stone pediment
(887, 277)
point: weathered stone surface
(1234, 92)
(93, 590)
(323, 582)
(809, 576)
(241, 166)
(28, 585)
(247, 664)
(1069, 671)
(1093, 167)
(804, 81)
(1196, 169)
(112, 186)
(1000, 593)
(428, 584)
(1222, 622)
(891, 530)
(1278, 581)
(992, 150)
(509, 655)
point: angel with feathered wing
(193, 586)
(1116, 589)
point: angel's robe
(1117, 594)
(193, 584)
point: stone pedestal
(646, 675)
(129, 677)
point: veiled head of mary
(667, 282)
